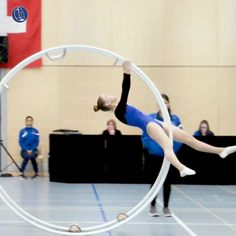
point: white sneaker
(22, 175)
(166, 212)
(153, 211)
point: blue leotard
(128, 114)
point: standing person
(111, 128)
(156, 130)
(154, 157)
(204, 129)
(29, 141)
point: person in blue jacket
(204, 129)
(29, 141)
(154, 155)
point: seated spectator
(29, 141)
(204, 129)
(111, 128)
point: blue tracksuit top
(198, 133)
(29, 138)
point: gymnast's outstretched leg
(183, 137)
(158, 134)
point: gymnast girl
(156, 130)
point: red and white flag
(20, 22)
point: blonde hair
(101, 105)
(113, 122)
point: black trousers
(152, 168)
(32, 158)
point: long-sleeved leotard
(128, 114)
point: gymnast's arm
(121, 107)
(125, 89)
(126, 82)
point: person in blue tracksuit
(154, 157)
(29, 141)
(204, 129)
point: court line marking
(100, 206)
(224, 224)
(19, 201)
(205, 209)
(130, 223)
(228, 190)
(79, 208)
(180, 222)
